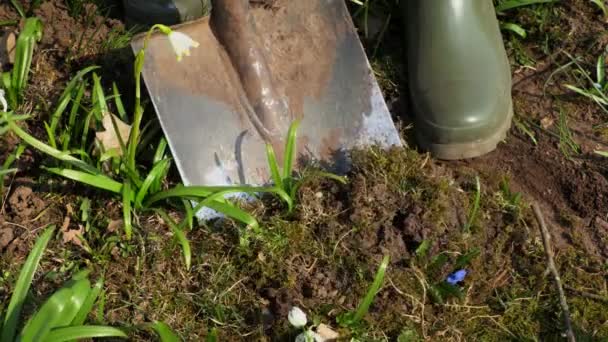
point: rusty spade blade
(256, 70)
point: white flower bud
(297, 317)
(182, 43)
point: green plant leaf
(464, 260)
(66, 98)
(423, 249)
(165, 333)
(57, 311)
(157, 171)
(18, 7)
(180, 235)
(127, 197)
(601, 69)
(23, 284)
(83, 332)
(42, 147)
(235, 213)
(205, 191)
(212, 336)
(437, 262)
(122, 113)
(474, 206)
(87, 306)
(514, 28)
(24, 50)
(290, 151)
(98, 181)
(273, 166)
(352, 319)
(373, 290)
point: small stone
(6, 236)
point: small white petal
(297, 317)
(3, 101)
(182, 43)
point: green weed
(351, 320)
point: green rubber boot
(168, 12)
(459, 77)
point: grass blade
(83, 332)
(23, 285)
(475, 207)
(601, 69)
(122, 113)
(234, 213)
(165, 333)
(181, 237)
(127, 196)
(157, 172)
(87, 306)
(98, 181)
(373, 290)
(290, 150)
(18, 7)
(39, 326)
(42, 147)
(273, 166)
(24, 50)
(99, 98)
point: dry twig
(551, 265)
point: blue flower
(456, 277)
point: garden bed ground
(324, 256)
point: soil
(324, 256)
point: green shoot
(474, 207)
(15, 81)
(164, 332)
(284, 180)
(351, 319)
(179, 235)
(567, 145)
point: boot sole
(466, 150)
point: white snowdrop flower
(182, 43)
(297, 317)
(3, 101)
